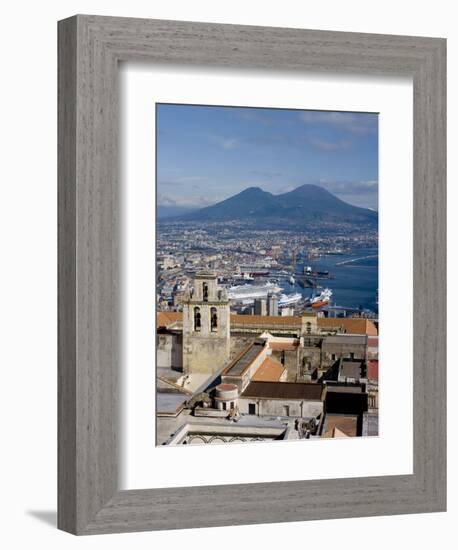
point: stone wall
(288, 358)
(169, 351)
(240, 341)
(309, 364)
(281, 407)
(335, 351)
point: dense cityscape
(242, 254)
(266, 296)
(239, 357)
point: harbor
(353, 278)
(338, 284)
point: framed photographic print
(251, 275)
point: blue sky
(206, 154)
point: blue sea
(354, 285)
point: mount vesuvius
(305, 204)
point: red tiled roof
(283, 346)
(270, 370)
(341, 426)
(267, 320)
(348, 325)
(166, 318)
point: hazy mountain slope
(304, 204)
(311, 202)
(250, 203)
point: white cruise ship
(288, 300)
(246, 294)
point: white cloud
(184, 180)
(326, 145)
(229, 143)
(360, 193)
(226, 143)
(355, 123)
(350, 187)
(164, 200)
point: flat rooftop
(244, 359)
(169, 398)
(339, 339)
(351, 369)
(342, 387)
(283, 390)
(292, 345)
(170, 403)
(167, 426)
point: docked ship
(308, 271)
(335, 251)
(254, 270)
(286, 300)
(246, 294)
(243, 277)
(322, 299)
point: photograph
(218, 219)
(267, 270)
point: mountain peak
(311, 189)
(253, 191)
(307, 203)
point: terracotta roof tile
(341, 426)
(270, 370)
(166, 318)
(349, 325)
(283, 346)
(265, 320)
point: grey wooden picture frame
(90, 49)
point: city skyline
(267, 302)
(224, 150)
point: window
(213, 319)
(205, 292)
(252, 408)
(285, 410)
(333, 357)
(197, 323)
(352, 355)
(308, 328)
(224, 405)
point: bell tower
(206, 326)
